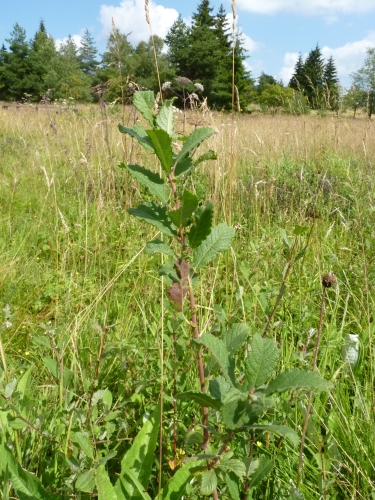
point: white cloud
(286, 72)
(129, 17)
(250, 45)
(348, 59)
(306, 6)
(76, 39)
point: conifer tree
(15, 67)
(87, 53)
(313, 72)
(177, 41)
(331, 84)
(42, 56)
(298, 80)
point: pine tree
(87, 53)
(331, 84)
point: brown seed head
(182, 80)
(329, 280)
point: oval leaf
(218, 240)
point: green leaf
(218, 351)
(26, 485)
(111, 454)
(208, 155)
(155, 215)
(193, 141)
(207, 482)
(235, 337)
(280, 430)
(234, 465)
(202, 227)
(130, 482)
(86, 481)
(144, 102)
(218, 240)
(175, 488)
(158, 246)
(138, 460)
(151, 180)
(97, 396)
(232, 484)
(296, 379)
(188, 205)
(104, 486)
(261, 361)
(52, 366)
(251, 465)
(184, 166)
(201, 398)
(162, 144)
(16, 423)
(238, 414)
(300, 230)
(83, 442)
(165, 117)
(9, 388)
(139, 133)
(224, 391)
(23, 383)
(264, 468)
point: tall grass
(81, 292)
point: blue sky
(275, 30)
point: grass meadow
(86, 333)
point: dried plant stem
(147, 11)
(308, 409)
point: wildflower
(166, 86)
(259, 444)
(193, 97)
(199, 87)
(27, 353)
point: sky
(275, 31)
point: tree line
(193, 61)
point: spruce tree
(313, 72)
(177, 41)
(42, 56)
(15, 67)
(87, 53)
(298, 80)
(331, 84)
